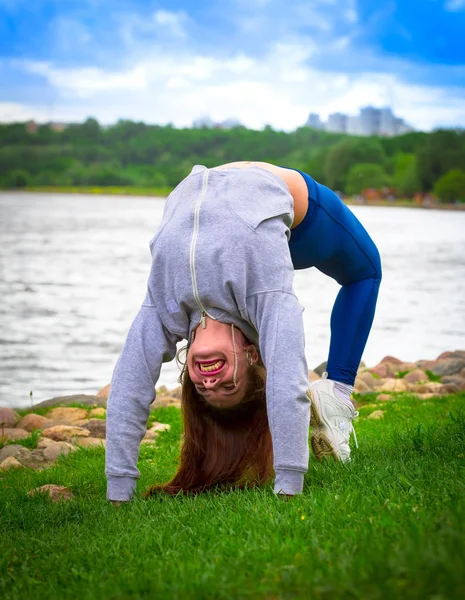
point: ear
(250, 348)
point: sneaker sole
(322, 446)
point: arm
(277, 316)
(132, 391)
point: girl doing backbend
(222, 278)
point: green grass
(103, 190)
(391, 524)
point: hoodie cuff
(120, 488)
(288, 481)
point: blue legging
(334, 241)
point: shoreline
(162, 193)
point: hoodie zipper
(195, 234)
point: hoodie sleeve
(277, 316)
(132, 390)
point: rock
(368, 379)
(64, 432)
(384, 370)
(361, 386)
(458, 380)
(98, 412)
(16, 451)
(312, 376)
(97, 428)
(104, 392)
(13, 434)
(416, 376)
(392, 360)
(405, 366)
(376, 414)
(161, 401)
(162, 390)
(449, 388)
(431, 387)
(8, 417)
(426, 396)
(320, 369)
(52, 452)
(10, 463)
(37, 455)
(52, 423)
(385, 397)
(176, 393)
(393, 385)
(90, 441)
(44, 442)
(156, 428)
(66, 413)
(56, 492)
(85, 399)
(454, 354)
(32, 421)
(160, 427)
(449, 366)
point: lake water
(73, 271)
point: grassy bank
(163, 192)
(104, 191)
(389, 525)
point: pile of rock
(423, 379)
(63, 430)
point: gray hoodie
(221, 250)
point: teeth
(213, 367)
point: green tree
(347, 153)
(405, 178)
(365, 175)
(451, 186)
(18, 178)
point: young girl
(222, 279)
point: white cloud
(455, 5)
(87, 82)
(280, 89)
(173, 23)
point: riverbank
(164, 192)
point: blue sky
(260, 61)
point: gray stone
(53, 451)
(16, 451)
(449, 366)
(97, 428)
(85, 399)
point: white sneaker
(331, 422)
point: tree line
(135, 154)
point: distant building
(314, 121)
(353, 125)
(370, 121)
(337, 123)
(207, 123)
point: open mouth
(211, 367)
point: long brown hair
(228, 447)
